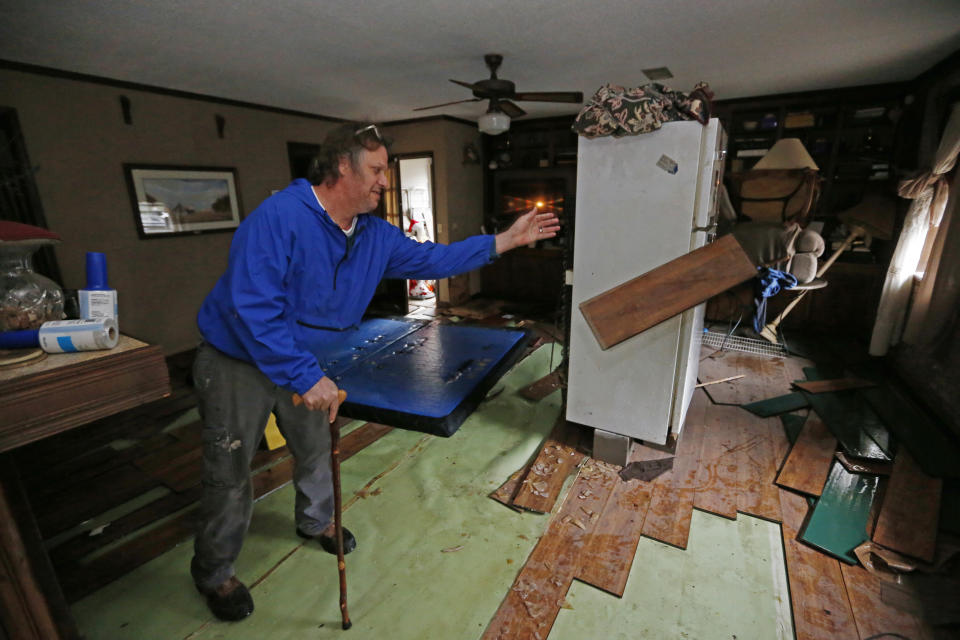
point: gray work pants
(236, 400)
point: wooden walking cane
(337, 510)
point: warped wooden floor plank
(661, 293)
(81, 502)
(613, 544)
(718, 365)
(911, 507)
(793, 370)
(716, 485)
(774, 371)
(671, 503)
(835, 384)
(821, 610)
(543, 387)
(780, 444)
(757, 470)
(79, 579)
(873, 616)
(505, 493)
(762, 377)
(541, 487)
(534, 600)
(808, 463)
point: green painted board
(793, 424)
(838, 523)
(856, 426)
(921, 435)
(871, 422)
(823, 372)
(851, 422)
(778, 405)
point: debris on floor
(872, 513)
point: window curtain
(936, 298)
(929, 193)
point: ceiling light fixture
(493, 122)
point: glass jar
(27, 299)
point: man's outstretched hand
(532, 226)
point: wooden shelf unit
(533, 158)
(857, 136)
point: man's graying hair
(343, 141)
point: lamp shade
(875, 213)
(788, 153)
(493, 123)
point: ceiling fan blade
(434, 106)
(468, 85)
(510, 108)
(550, 96)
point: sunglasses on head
(371, 128)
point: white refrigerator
(642, 201)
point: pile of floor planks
(849, 494)
(727, 460)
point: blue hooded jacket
(295, 282)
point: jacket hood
(303, 191)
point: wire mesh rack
(755, 346)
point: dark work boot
(328, 540)
(230, 601)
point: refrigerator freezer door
(712, 156)
(633, 214)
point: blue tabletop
(408, 367)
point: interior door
(416, 217)
(390, 298)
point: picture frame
(172, 200)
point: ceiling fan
(501, 94)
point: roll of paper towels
(67, 336)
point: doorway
(417, 219)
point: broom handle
(770, 329)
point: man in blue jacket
(302, 269)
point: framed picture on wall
(174, 200)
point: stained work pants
(236, 400)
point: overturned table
(418, 375)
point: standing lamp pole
(770, 330)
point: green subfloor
(436, 555)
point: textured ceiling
(378, 60)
